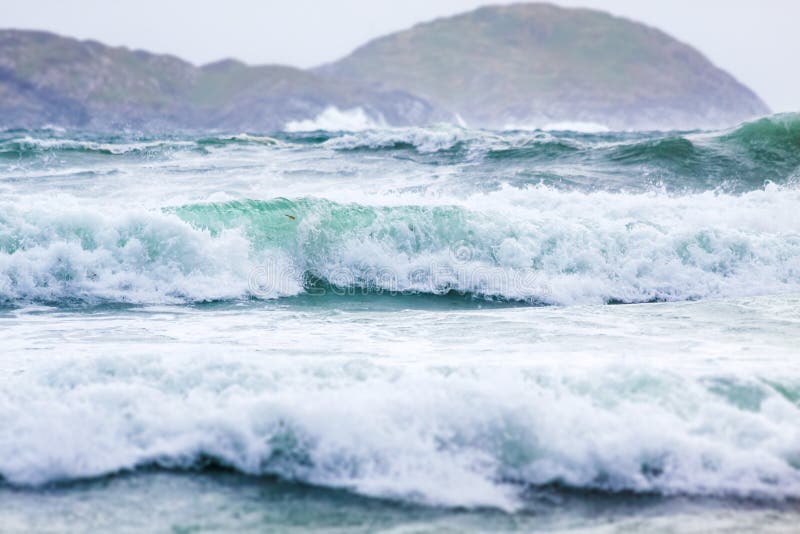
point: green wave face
(317, 226)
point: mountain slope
(537, 63)
(45, 78)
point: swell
(739, 160)
(540, 246)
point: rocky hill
(48, 79)
(538, 63)
(523, 65)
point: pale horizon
(755, 42)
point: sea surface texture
(402, 330)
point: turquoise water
(424, 330)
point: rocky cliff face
(537, 63)
(523, 65)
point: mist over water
(419, 317)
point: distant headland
(522, 65)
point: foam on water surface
(412, 314)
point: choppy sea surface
(401, 330)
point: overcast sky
(758, 41)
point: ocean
(401, 330)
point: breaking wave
(389, 431)
(333, 119)
(538, 245)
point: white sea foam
(451, 435)
(118, 148)
(539, 244)
(62, 252)
(573, 126)
(424, 140)
(474, 144)
(333, 119)
(402, 398)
